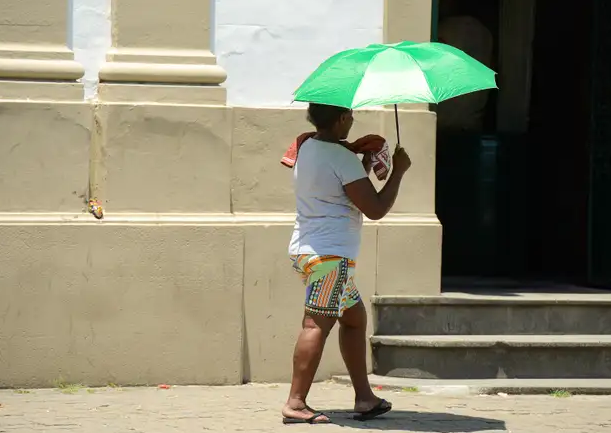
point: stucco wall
(250, 39)
(268, 47)
(186, 279)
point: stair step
(492, 356)
(487, 386)
(465, 314)
(477, 341)
(454, 298)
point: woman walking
(333, 191)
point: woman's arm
(375, 205)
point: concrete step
(464, 314)
(493, 356)
(559, 387)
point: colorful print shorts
(329, 281)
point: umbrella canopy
(384, 74)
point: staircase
(517, 338)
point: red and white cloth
(380, 152)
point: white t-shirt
(327, 223)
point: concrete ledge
(41, 91)
(491, 386)
(27, 69)
(161, 55)
(484, 341)
(493, 356)
(596, 298)
(28, 51)
(189, 219)
(162, 73)
(151, 93)
(534, 314)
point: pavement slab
(256, 408)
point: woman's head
(331, 119)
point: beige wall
(33, 41)
(186, 279)
(127, 304)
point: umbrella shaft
(397, 124)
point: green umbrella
(384, 74)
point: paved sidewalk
(256, 408)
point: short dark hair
(325, 116)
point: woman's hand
(400, 160)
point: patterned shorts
(329, 281)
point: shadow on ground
(419, 422)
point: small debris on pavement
(164, 386)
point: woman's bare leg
(306, 358)
(353, 346)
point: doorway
(513, 192)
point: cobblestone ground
(255, 408)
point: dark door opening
(515, 203)
(599, 270)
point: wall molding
(246, 219)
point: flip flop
(379, 409)
(310, 420)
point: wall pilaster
(44, 121)
(33, 41)
(164, 43)
(409, 240)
